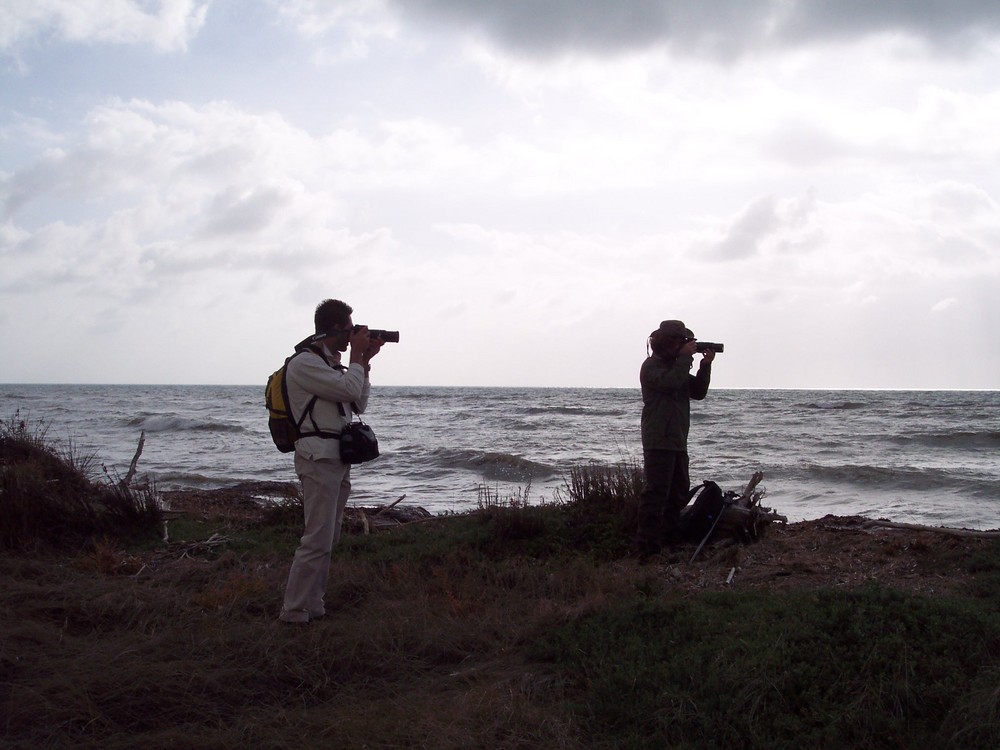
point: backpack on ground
(706, 503)
(713, 514)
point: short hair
(330, 314)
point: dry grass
(49, 496)
(418, 654)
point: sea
(927, 457)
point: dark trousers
(663, 497)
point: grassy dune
(510, 627)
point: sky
(524, 189)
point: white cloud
(168, 25)
(177, 190)
(360, 23)
(944, 304)
(523, 219)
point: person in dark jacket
(667, 389)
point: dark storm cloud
(717, 28)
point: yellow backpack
(284, 427)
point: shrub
(48, 497)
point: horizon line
(525, 387)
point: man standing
(320, 387)
(667, 390)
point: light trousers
(326, 485)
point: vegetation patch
(864, 668)
(513, 626)
(49, 497)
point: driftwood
(360, 520)
(744, 518)
(190, 549)
(390, 507)
(994, 534)
(751, 486)
(135, 460)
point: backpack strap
(309, 345)
(340, 406)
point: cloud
(723, 29)
(360, 23)
(166, 193)
(763, 225)
(167, 25)
(944, 304)
(499, 181)
(744, 236)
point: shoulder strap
(309, 345)
(310, 342)
(306, 345)
(340, 406)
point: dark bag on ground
(712, 514)
(706, 502)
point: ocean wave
(174, 423)
(880, 476)
(584, 411)
(185, 480)
(836, 405)
(171, 478)
(519, 425)
(491, 465)
(960, 439)
(903, 479)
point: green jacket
(667, 389)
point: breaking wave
(174, 423)
(490, 465)
(836, 405)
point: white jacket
(307, 376)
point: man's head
(667, 340)
(333, 318)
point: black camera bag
(357, 440)
(358, 443)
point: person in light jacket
(317, 382)
(667, 389)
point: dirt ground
(846, 551)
